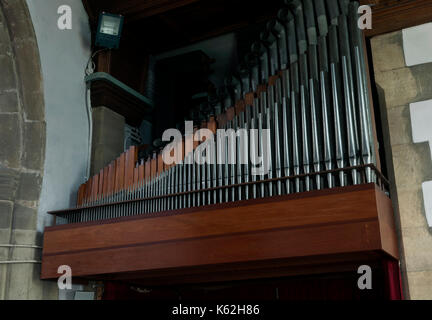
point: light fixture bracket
(110, 27)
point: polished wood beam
(136, 9)
(175, 27)
(166, 6)
(389, 16)
(288, 233)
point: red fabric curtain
(393, 279)
(338, 286)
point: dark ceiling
(161, 25)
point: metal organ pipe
(300, 96)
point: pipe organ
(302, 97)
(299, 107)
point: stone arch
(22, 152)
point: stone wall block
(33, 105)
(399, 125)
(29, 187)
(28, 68)
(417, 243)
(30, 80)
(423, 75)
(9, 183)
(18, 281)
(9, 102)
(412, 165)
(5, 48)
(18, 19)
(411, 208)
(400, 86)
(421, 284)
(5, 235)
(34, 145)
(22, 236)
(10, 140)
(6, 210)
(7, 79)
(22, 146)
(3, 280)
(21, 253)
(24, 218)
(108, 137)
(388, 53)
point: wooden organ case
(322, 207)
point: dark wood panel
(290, 230)
(299, 212)
(274, 244)
(386, 219)
(252, 270)
(395, 15)
(161, 25)
(104, 93)
(136, 9)
(176, 20)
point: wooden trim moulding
(394, 15)
(281, 236)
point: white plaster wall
(421, 121)
(417, 45)
(421, 125)
(64, 55)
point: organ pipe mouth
(243, 68)
(258, 47)
(290, 16)
(274, 25)
(343, 4)
(267, 36)
(264, 35)
(294, 4)
(251, 58)
(271, 24)
(283, 14)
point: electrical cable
(91, 66)
(19, 246)
(90, 123)
(21, 262)
(90, 69)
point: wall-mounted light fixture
(109, 30)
